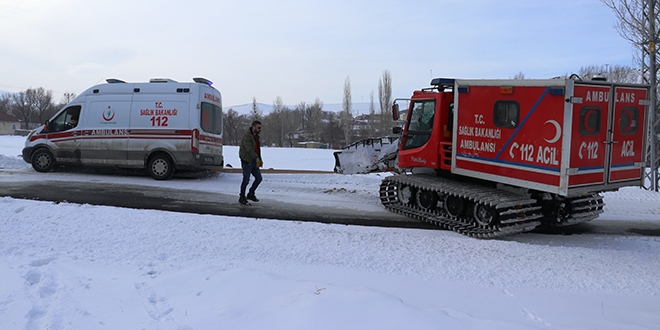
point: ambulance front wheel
(43, 160)
(161, 167)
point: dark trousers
(250, 168)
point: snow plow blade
(368, 155)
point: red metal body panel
(557, 136)
(525, 152)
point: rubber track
(584, 208)
(517, 213)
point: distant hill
(358, 108)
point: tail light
(194, 142)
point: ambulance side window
(590, 121)
(628, 121)
(506, 114)
(63, 121)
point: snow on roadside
(86, 267)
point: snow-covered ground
(68, 266)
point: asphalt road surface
(204, 202)
(193, 201)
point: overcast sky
(299, 50)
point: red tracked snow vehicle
(488, 158)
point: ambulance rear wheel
(160, 167)
(43, 160)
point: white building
(8, 124)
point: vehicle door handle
(86, 133)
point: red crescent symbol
(109, 112)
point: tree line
(32, 106)
(288, 126)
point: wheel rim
(159, 167)
(454, 205)
(427, 199)
(43, 160)
(484, 215)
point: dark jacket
(246, 151)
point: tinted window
(506, 114)
(590, 121)
(211, 118)
(628, 121)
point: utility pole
(650, 74)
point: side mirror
(397, 130)
(395, 112)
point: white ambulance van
(160, 126)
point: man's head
(256, 127)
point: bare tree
(372, 115)
(332, 132)
(632, 25)
(385, 99)
(614, 73)
(41, 102)
(314, 116)
(5, 103)
(347, 111)
(278, 119)
(302, 114)
(231, 132)
(21, 108)
(519, 75)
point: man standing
(250, 154)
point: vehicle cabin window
(66, 120)
(506, 114)
(211, 118)
(420, 124)
(628, 120)
(590, 121)
(421, 119)
(450, 119)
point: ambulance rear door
(589, 145)
(628, 135)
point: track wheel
(406, 194)
(160, 167)
(454, 205)
(485, 215)
(426, 199)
